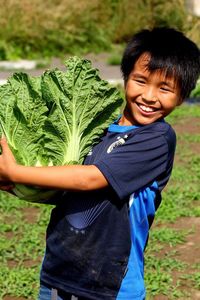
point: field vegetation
(36, 28)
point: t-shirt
(96, 239)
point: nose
(149, 95)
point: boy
(99, 227)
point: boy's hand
(7, 163)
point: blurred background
(55, 28)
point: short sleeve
(136, 163)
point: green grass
(22, 243)
(19, 281)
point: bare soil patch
(13, 298)
(189, 252)
(30, 214)
(188, 125)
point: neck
(126, 119)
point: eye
(140, 81)
(166, 89)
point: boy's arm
(72, 177)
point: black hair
(169, 50)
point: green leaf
(81, 107)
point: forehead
(143, 66)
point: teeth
(146, 108)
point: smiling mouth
(147, 109)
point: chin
(147, 122)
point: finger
(3, 140)
(4, 146)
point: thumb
(4, 146)
(3, 141)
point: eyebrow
(138, 75)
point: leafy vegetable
(54, 119)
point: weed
(158, 275)
(19, 281)
(168, 235)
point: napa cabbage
(55, 118)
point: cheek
(170, 105)
(131, 90)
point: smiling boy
(150, 96)
(99, 227)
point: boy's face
(149, 95)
